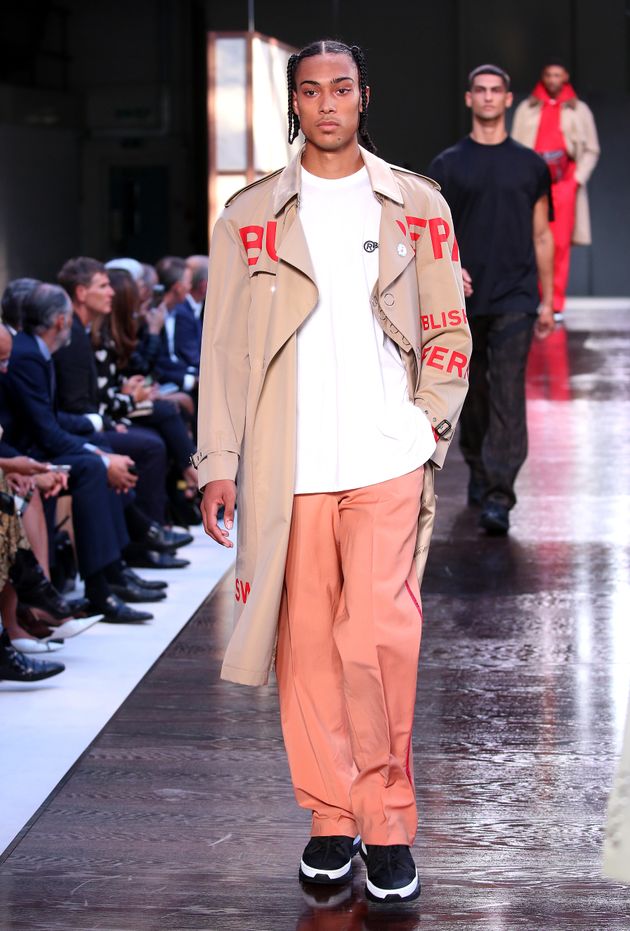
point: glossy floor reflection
(181, 815)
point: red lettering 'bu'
(252, 237)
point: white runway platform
(46, 726)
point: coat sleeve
(445, 335)
(225, 367)
(590, 153)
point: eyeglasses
(4, 365)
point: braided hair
(331, 46)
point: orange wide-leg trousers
(347, 658)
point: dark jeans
(493, 423)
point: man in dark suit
(182, 370)
(99, 479)
(105, 403)
(77, 392)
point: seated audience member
(98, 480)
(189, 314)
(175, 276)
(12, 299)
(90, 382)
(118, 332)
(14, 664)
(80, 388)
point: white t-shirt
(355, 423)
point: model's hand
(118, 474)
(545, 324)
(468, 288)
(218, 494)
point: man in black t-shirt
(499, 193)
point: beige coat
(261, 287)
(578, 128)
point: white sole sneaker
(318, 874)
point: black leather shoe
(135, 593)
(80, 607)
(141, 558)
(16, 667)
(391, 873)
(495, 519)
(164, 540)
(115, 611)
(153, 584)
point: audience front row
(98, 398)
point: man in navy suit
(171, 366)
(98, 479)
(189, 314)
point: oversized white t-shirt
(355, 423)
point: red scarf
(550, 142)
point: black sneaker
(328, 859)
(495, 519)
(391, 873)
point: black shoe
(163, 540)
(153, 584)
(33, 588)
(391, 873)
(328, 859)
(115, 611)
(80, 607)
(16, 667)
(141, 558)
(137, 593)
(495, 519)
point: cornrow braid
(337, 48)
(359, 57)
(294, 122)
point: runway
(180, 815)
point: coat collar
(380, 174)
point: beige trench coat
(580, 133)
(261, 288)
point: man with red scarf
(561, 128)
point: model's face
(554, 78)
(488, 98)
(97, 296)
(328, 100)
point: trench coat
(261, 288)
(580, 133)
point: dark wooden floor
(181, 815)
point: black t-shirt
(491, 190)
